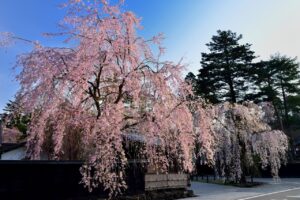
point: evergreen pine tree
(224, 75)
(278, 81)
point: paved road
(286, 189)
(290, 194)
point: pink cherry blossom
(240, 133)
(109, 84)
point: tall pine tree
(224, 74)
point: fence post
(1, 131)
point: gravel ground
(208, 191)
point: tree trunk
(229, 78)
(243, 162)
(272, 99)
(232, 92)
(277, 115)
(285, 105)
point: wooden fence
(165, 181)
(54, 180)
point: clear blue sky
(270, 25)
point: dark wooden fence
(53, 180)
(290, 170)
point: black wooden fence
(53, 180)
(290, 170)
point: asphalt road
(289, 194)
(285, 189)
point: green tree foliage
(190, 78)
(15, 117)
(277, 81)
(294, 106)
(224, 74)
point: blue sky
(270, 25)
